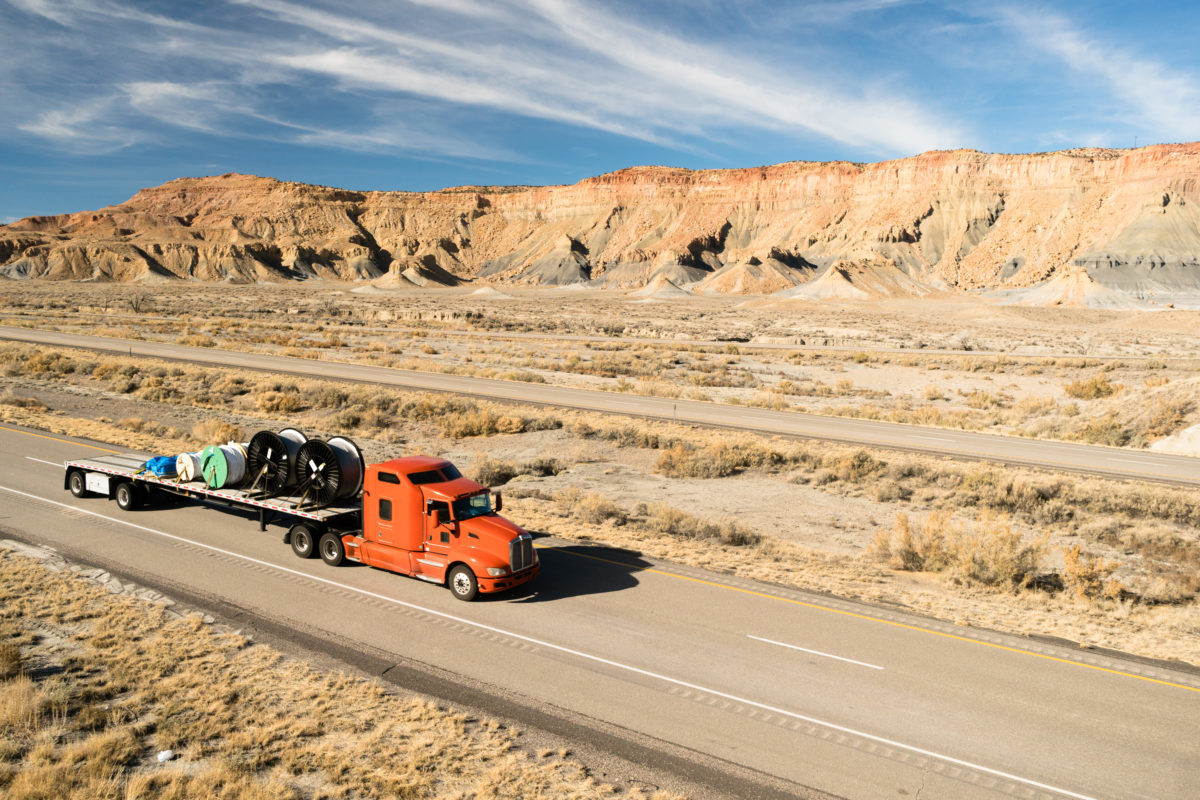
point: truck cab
(422, 518)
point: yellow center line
(869, 618)
(57, 439)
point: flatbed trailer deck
(104, 475)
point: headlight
(494, 571)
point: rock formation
(940, 221)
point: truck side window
(385, 510)
(387, 477)
(428, 476)
(450, 472)
(445, 537)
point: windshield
(473, 506)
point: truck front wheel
(128, 497)
(76, 484)
(304, 543)
(462, 583)
(333, 552)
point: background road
(1087, 459)
(807, 692)
(742, 344)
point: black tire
(333, 552)
(462, 582)
(77, 484)
(303, 540)
(128, 496)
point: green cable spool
(213, 466)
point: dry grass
(662, 518)
(1089, 577)
(1091, 388)
(245, 722)
(214, 431)
(10, 399)
(986, 553)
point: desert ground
(1103, 563)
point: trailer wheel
(333, 552)
(128, 497)
(76, 484)
(303, 541)
(462, 583)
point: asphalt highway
(811, 694)
(1085, 459)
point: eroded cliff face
(939, 221)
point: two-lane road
(1087, 459)
(813, 692)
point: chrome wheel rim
(462, 582)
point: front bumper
(503, 582)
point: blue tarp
(162, 466)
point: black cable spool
(329, 471)
(271, 459)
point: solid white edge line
(814, 652)
(44, 461)
(577, 653)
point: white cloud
(572, 62)
(1155, 96)
(577, 63)
(55, 12)
(86, 127)
(717, 84)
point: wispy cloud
(571, 62)
(1153, 94)
(85, 127)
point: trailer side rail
(127, 467)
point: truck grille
(520, 553)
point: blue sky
(99, 98)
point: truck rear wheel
(129, 498)
(333, 552)
(462, 583)
(303, 540)
(77, 484)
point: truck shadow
(579, 569)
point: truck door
(383, 521)
(382, 547)
(438, 535)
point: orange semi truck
(417, 516)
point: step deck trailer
(417, 516)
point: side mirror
(499, 505)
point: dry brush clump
(121, 680)
(215, 431)
(1092, 388)
(491, 471)
(590, 507)
(662, 518)
(986, 552)
(10, 399)
(1089, 577)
